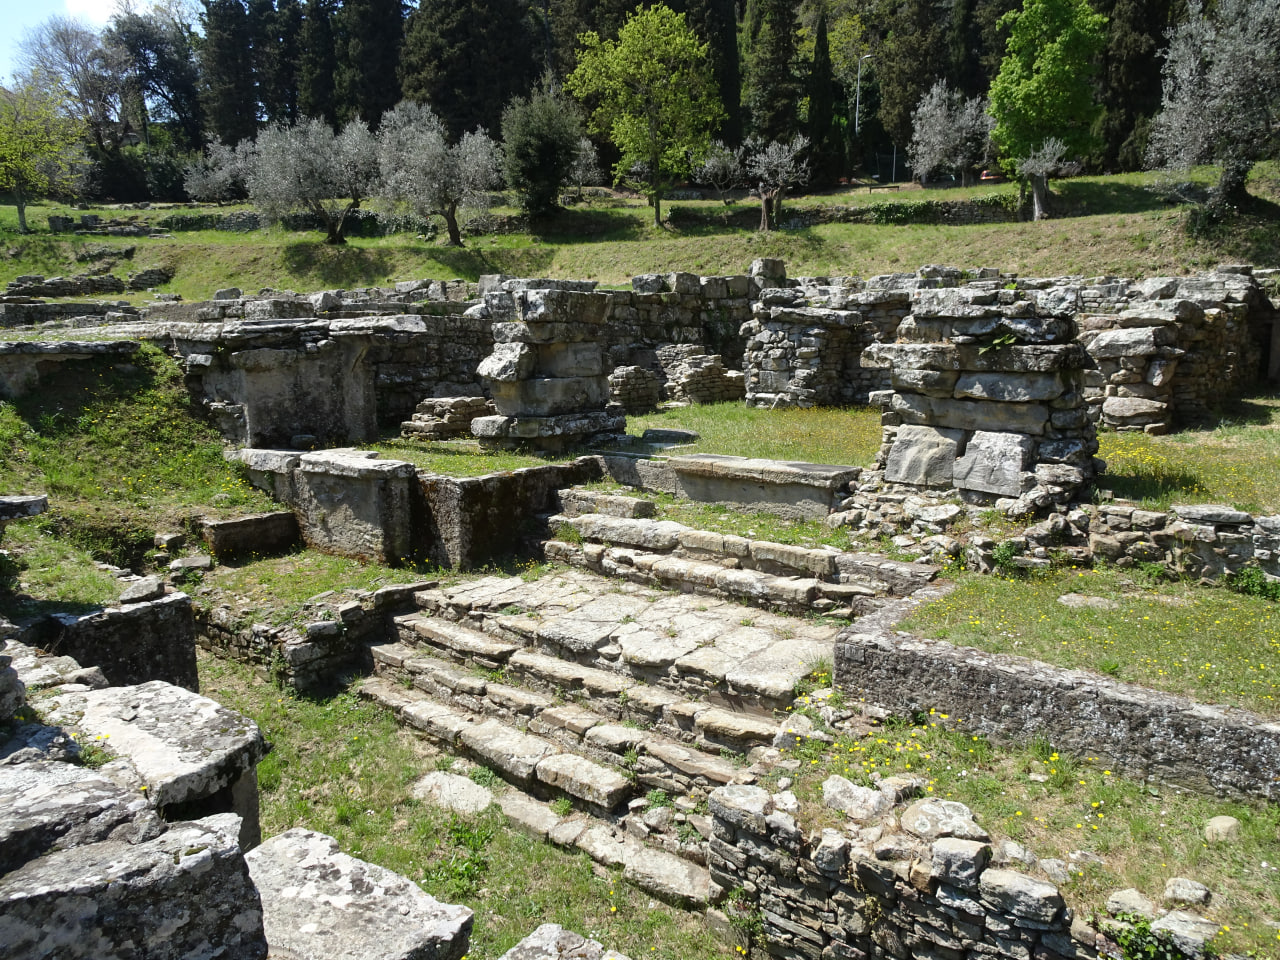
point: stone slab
(510, 751)
(186, 893)
(581, 778)
(321, 904)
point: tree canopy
(39, 142)
(652, 93)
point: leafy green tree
(467, 58)
(160, 51)
(367, 39)
(226, 71)
(1222, 94)
(540, 139)
(39, 143)
(772, 86)
(318, 63)
(653, 95)
(1045, 86)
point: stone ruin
(547, 372)
(987, 398)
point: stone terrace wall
(1171, 356)
(933, 892)
(1135, 731)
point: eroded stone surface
(186, 893)
(452, 792)
(553, 942)
(321, 904)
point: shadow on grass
(1250, 412)
(1087, 197)
(1253, 236)
(1151, 489)
(344, 266)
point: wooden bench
(883, 186)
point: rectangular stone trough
(804, 490)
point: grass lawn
(1123, 230)
(1206, 643)
(343, 767)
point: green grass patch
(123, 432)
(463, 458)
(1057, 805)
(43, 573)
(280, 586)
(1237, 462)
(342, 766)
(846, 436)
(1207, 643)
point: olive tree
(540, 140)
(722, 167)
(423, 173)
(309, 167)
(221, 173)
(949, 133)
(1221, 93)
(775, 167)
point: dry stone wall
(935, 890)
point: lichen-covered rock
(53, 806)
(321, 904)
(184, 894)
(553, 942)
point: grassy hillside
(1118, 226)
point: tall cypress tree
(910, 61)
(824, 141)
(1129, 78)
(715, 23)
(287, 60)
(467, 59)
(569, 18)
(264, 51)
(318, 63)
(772, 88)
(226, 67)
(368, 35)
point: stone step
(658, 761)
(519, 757)
(665, 875)
(457, 642)
(577, 631)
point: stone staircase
(603, 692)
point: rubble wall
(835, 895)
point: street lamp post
(857, 108)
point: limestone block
(959, 862)
(931, 818)
(1134, 410)
(579, 359)
(1011, 892)
(550, 397)
(1190, 933)
(1009, 387)
(509, 362)
(579, 777)
(1210, 513)
(923, 455)
(1129, 342)
(742, 806)
(516, 754)
(453, 792)
(321, 904)
(859, 803)
(184, 748)
(670, 878)
(933, 383)
(54, 806)
(186, 893)
(971, 414)
(553, 942)
(993, 463)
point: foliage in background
(541, 139)
(651, 92)
(40, 149)
(949, 133)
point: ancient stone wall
(988, 397)
(1132, 730)
(936, 889)
(23, 363)
(1172, 355)
(131, 643)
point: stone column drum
(548, 373)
